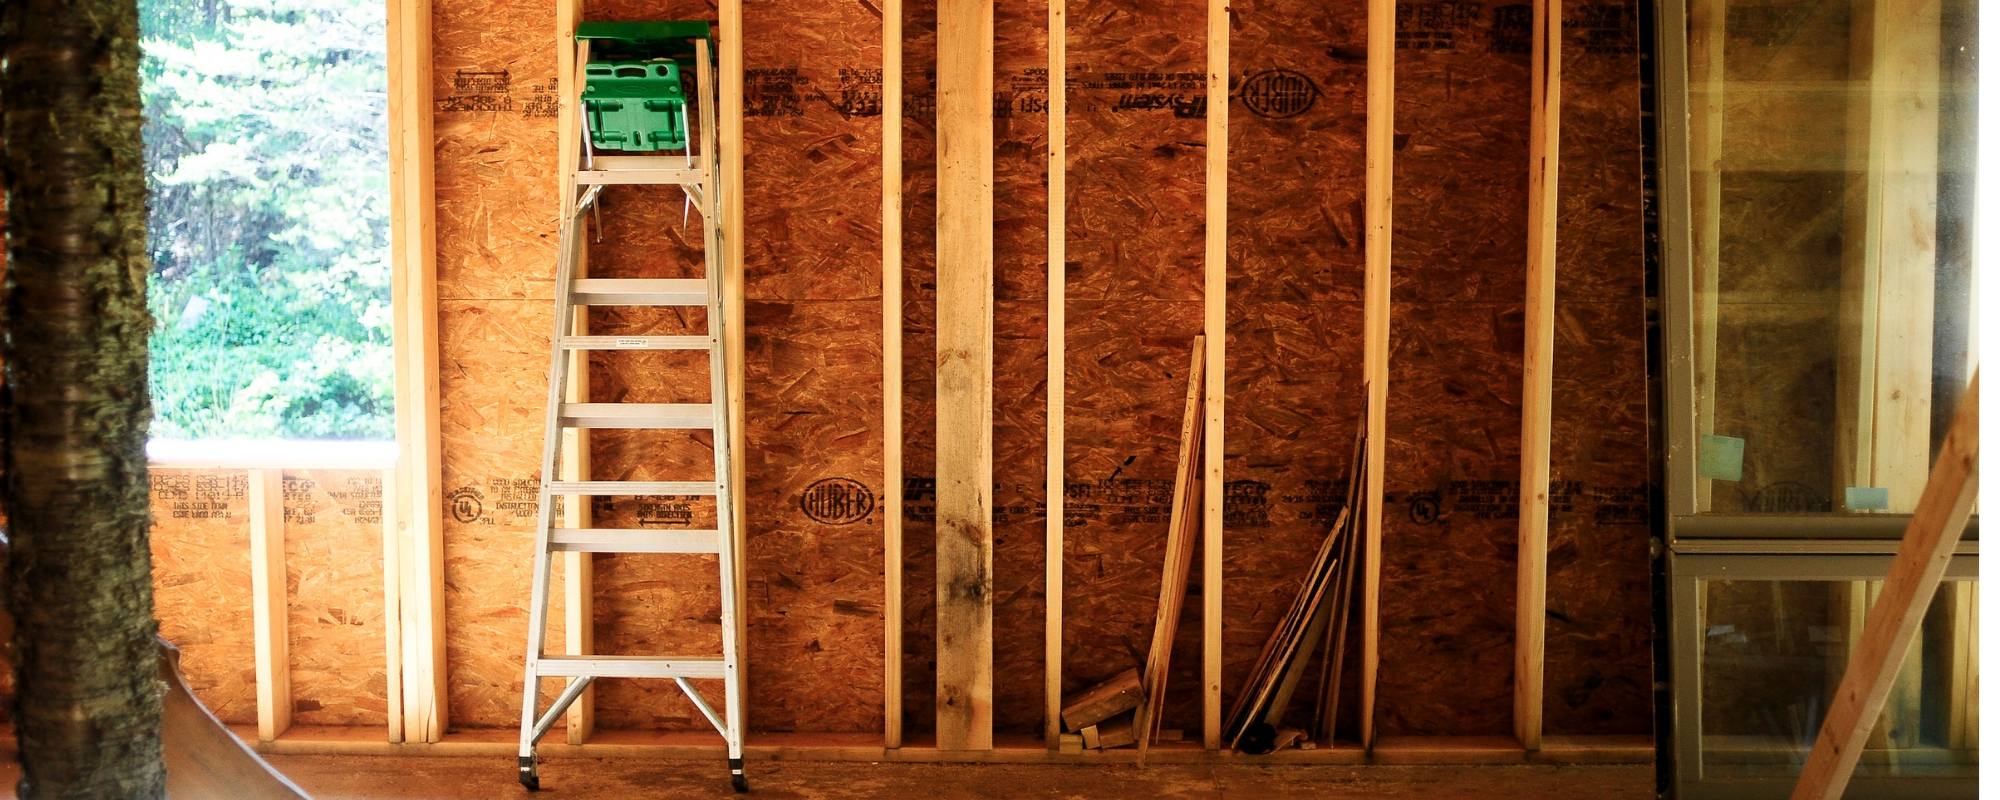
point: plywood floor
(456, 778)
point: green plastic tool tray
(632, 96)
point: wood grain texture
(965, 375)
(269, 604)
(1456, 334)
(201, 585)
(1596, 649)
(812, 282)
(1296, 163)
(493, 370)
(892, 373)
(1058, 234)
(1215, 325)
(1021, 201)
(1019, 368)
(919, 283)
(1537, 363)
(1183, 520)
(333, 568)
(496, 248)
(417, 535)
(1378, 211)
(1134, 249)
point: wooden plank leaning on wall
(1052, 614)
(892, 374)
(1215, 326)
(965, 375)
(1537, 371)
(1898, 616)
(729, 24)
(1377, 204)
(419, 505)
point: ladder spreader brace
(697, 177)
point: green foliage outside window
(267, 152)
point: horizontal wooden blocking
(1119, 694)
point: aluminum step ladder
(697, 177)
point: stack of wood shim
(1318, 618)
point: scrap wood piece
(1294, 664)
(1246, 701)
(1182, 527)
(1115, 733)
(1098, 703)
(1343, 591)
(1292, 661)
(1275, 666)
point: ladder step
(671, 416)
(636, 342)
(634, 540)
(633, 488)
(629, 666)
(640, 170)
(639, 292)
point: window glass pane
(267, 156)
(1830, 180)
(1772, 653)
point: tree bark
(75, 409)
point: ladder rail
(725, 524)
(569, 242)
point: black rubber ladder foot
(529, 779)
(737, 780)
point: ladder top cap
(655, 38)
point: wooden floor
(460, 778)
(628, 775)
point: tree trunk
(74, 411)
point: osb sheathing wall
(1455, 379)
(813, 357)
(812, 278)
(333, 580)
(1020, 334)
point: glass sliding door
(1816, 172)
(1826, 249)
